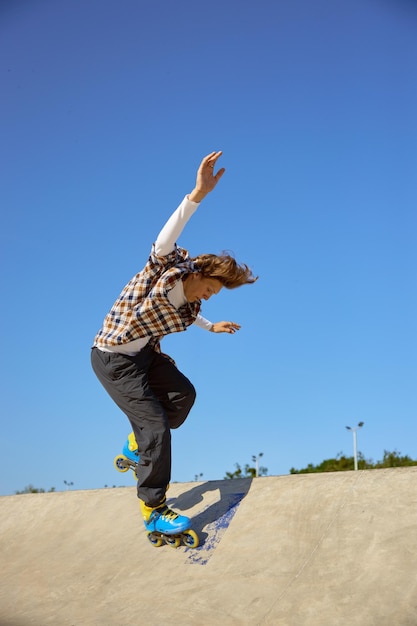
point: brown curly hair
(224, 268)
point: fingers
(225, 327)
(210, 160)
(209, 163)
(219, 174)
(206, 178)
(212, 157)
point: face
(197, 287)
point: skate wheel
(120, 463)
(173, 542)
(154, 540)
(190, 538)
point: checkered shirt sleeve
(143, 308)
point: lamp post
(255, 459)
(355, 453)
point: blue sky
(107, 109)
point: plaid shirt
(143, 308)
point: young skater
(165, 297)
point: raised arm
(206, 180)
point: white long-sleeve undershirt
(164, 244)
(169, 235)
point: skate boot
(165, 525)
(129, 458)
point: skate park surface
(332, 549)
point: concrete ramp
(306, 550)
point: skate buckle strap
(164, 512)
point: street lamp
(255, 459)
(355, 453)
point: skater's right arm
(206, 181)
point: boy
(164, 297)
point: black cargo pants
(156, 397)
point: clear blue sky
(106, 111)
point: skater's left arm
(225, 327)
(217, 327)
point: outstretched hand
(206, 178)
(225, 327)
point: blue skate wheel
(190, 538)
(120, 463)
(173, 542)
(155, 540)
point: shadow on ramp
(217, 503)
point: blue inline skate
(165, 525)
(129, 458)
(162, 524)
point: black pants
(156, 397)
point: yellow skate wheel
(172, 541)
(154, 539)
(190, 538)
(119, 463)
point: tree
(32, 489)
(394, 459)
(247, 472)
(342, 463)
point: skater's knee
(178, 417)
(192, 395)
(182, 402)
(177, 422)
